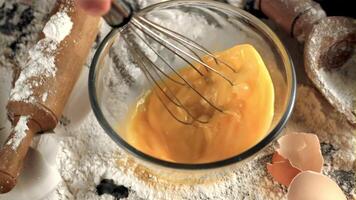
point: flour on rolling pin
(41, 62)
(45, 83)
(20, 132)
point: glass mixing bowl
(116, 83)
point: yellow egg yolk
(247, 108)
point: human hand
(95, 7)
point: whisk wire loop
(187, 41)
(177, 73)
(163, 43)
(122, 16)
(185, 49)
(137, 21)
(140, 57)
(161, 58)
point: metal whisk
(143, 30)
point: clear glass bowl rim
(200, 166)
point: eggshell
(278, 158)
(309, 185)
(282, 172)
(302, 150)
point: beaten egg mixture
(247, 106)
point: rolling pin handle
(7, 182)
(296, 17)
(11, 158)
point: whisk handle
(119, 14)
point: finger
(95, 7)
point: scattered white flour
(87, 154)
(41, 61)
(145, 3)
(19, 132)
(58, 27)
(6, 77)
(237, 3)
(44, 97)
(344, 82)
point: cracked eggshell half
(302, 150)
(309, 185)
(281, 169)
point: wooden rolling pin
(70, 57)
(300, 18)
(296, 17)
